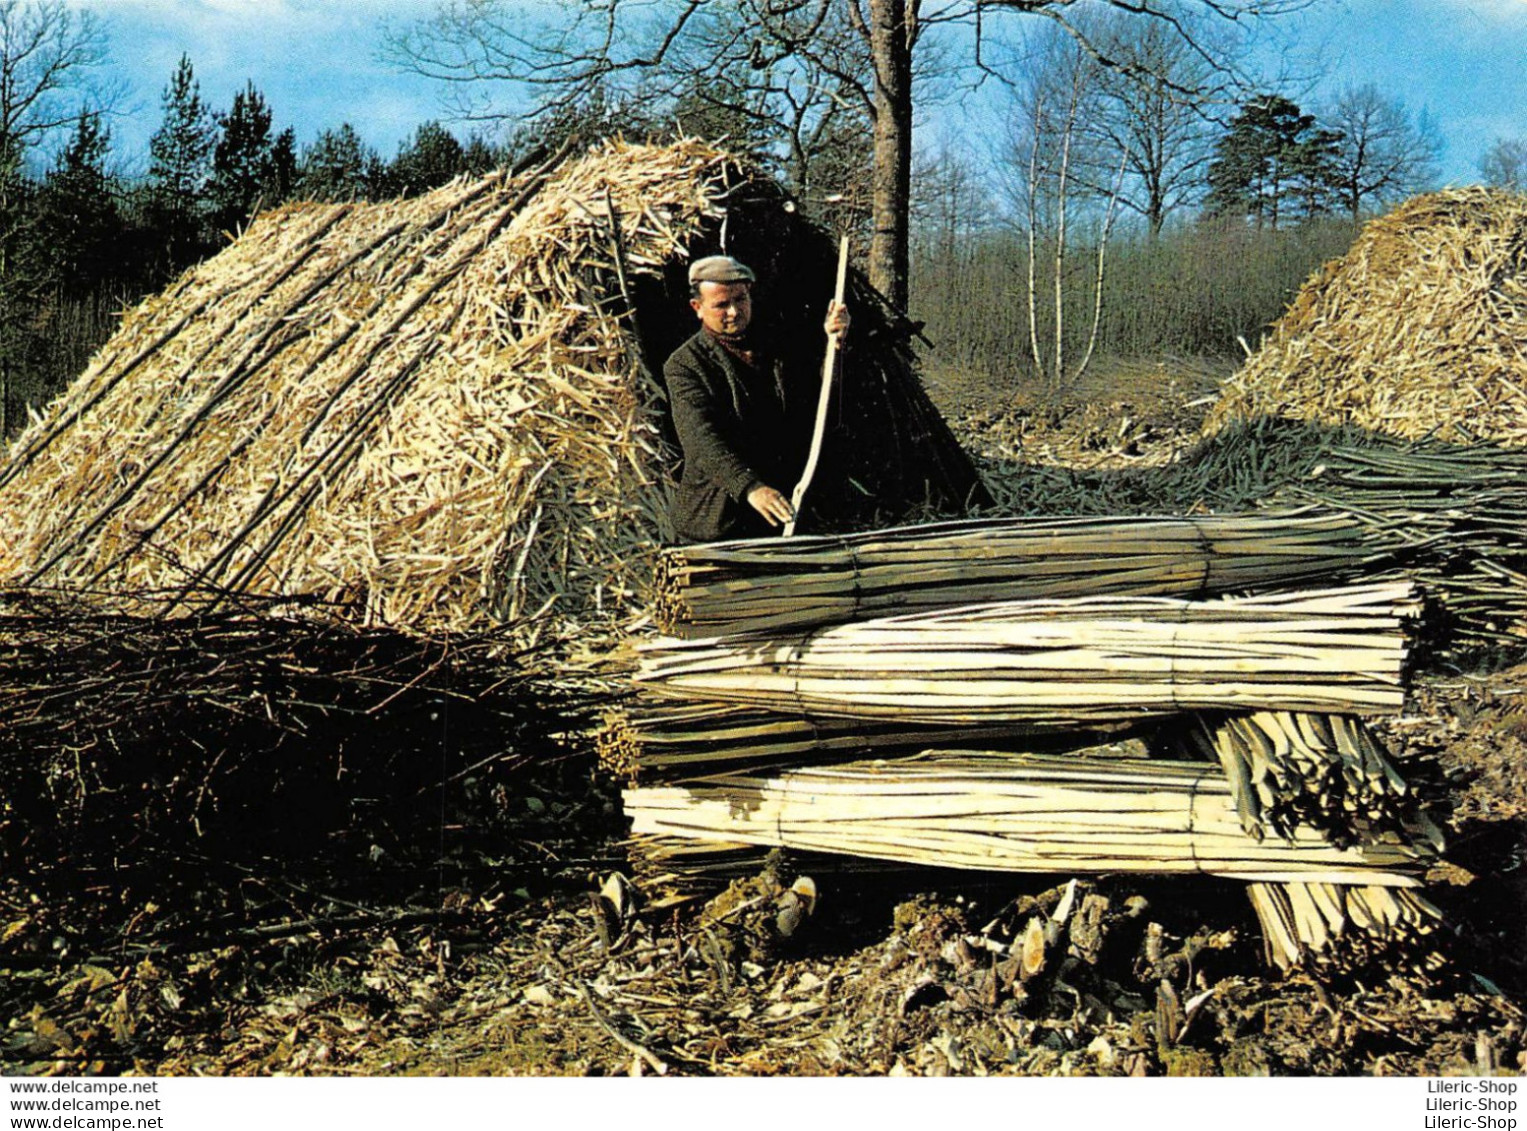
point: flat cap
(720, 269)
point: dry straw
(1419, 330)
(437, 413)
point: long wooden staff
(829, 363)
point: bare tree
(469, 41)
(1067, 173)
(951, 205)
(1505, 163)
(48, 50)
(1161, 106)
(1383, 154)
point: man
(743, 410)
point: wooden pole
(829, 363)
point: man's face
(724, 308)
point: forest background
(1154, 187)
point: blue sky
(316, 61)
(1464, 60)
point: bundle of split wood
(657, 739)
(1016, 812)
(1342, 925)
(1287, 768)
(1419, 330)
(759, 585)
(1076, 662)
(439, 414)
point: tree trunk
(891, 36)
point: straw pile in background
(1420, 330)
(436, 414)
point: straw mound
(432, 414)
(1420, 330)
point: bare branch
(47, 51)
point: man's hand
(837, 320)
(771, 504)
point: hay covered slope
(1420, 330)
(434, 412)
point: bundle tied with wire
(771, 584)
(1076, 662)
(653, 738)
(1016, 812)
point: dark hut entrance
(888, 455)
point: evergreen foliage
(242, 161)
(180, 164)
(78, 216)
(338, 166)
(1274, 164)
(427, 160)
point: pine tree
(78, 216)
(1274, 163)
(478, 157)
(20, 283)
(241, 160)
(180, 154)
(429, 159)
(337, 166)
(281, 182)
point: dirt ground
(478, 942)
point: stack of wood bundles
(983, 720)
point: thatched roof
(438, 413)
(1420, 330)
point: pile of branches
(243, 731)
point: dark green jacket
(740, 427)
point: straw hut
(1420, 330)
(442, 414)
